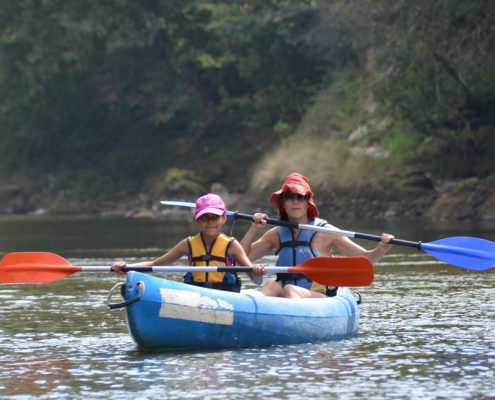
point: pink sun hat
(209, 204)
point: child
(208, 248)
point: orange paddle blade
(337, 271)
(34, 267)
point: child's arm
(176, 252)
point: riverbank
(465, 199)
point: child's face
(211, 224)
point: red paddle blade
(34, 267)
(337, 271)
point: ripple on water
(427, 331)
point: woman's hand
(385, 244)
(259, 219)
(118, 267)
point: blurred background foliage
(122, 96)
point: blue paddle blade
(463, 251)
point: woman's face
(295, 205)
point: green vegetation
(166, 95)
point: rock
(40, 211)
(142, 213)
(372, 151)
(358, 133)
(174, 214)
(229, 198)
(487, 208)
(464, 199)
(414, 179)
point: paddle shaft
(157, 269)
(294, 225)
(45, 267)
(338, 232)
(461, 256)
(465, 252)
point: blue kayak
(164, 314)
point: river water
(427, 329)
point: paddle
(42, 267)
(465, 252)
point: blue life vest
(294, 251)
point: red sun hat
(299, 184)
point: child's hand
(257, 274)
(258, 269)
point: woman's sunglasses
(294, 196)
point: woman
(295, 203)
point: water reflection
(36, 376)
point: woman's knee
(292, 292)
(272, 288)
(296, 292)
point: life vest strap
(208, 257)
(295, 243)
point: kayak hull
(171, 315)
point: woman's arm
(349, 248)
(264, 245)
(259, 220)
(236, 251)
